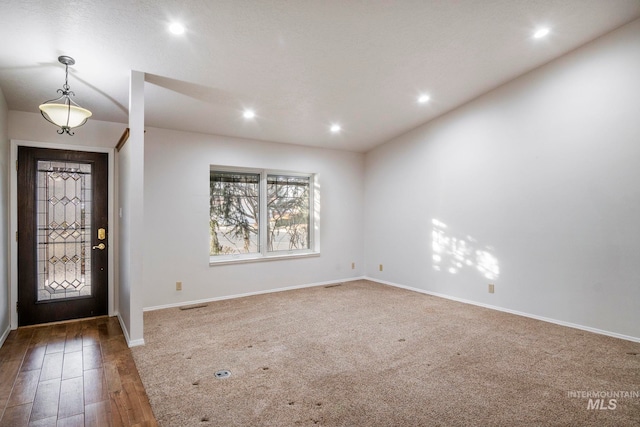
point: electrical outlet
(380, 267)
(353, 265)
(491, 288)
(178, 286)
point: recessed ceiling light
(335, 128)
(176, 28)
(540, 33)
(248, 114)
(424, 98)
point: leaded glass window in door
(63, 230)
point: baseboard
(125, 332)
(4, 335)
(507, 310)
(248, 294)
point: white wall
(543, 173)
(131, 221)
(5, 317)
(124, 166)
(177, 216)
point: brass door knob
(101, 246)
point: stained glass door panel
(64, 229)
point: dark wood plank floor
(78, 373)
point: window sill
(260, 258)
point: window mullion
(312, 217)
(263, 213)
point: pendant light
(62, 111)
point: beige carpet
(364, 354)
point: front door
(62, 235)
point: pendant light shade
(63, 111)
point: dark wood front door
(62, 235)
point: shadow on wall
(452, 253)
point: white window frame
(263, 254)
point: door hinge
(16, 236)
(16, 165)
(17, 305)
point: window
(235, 213)
(259, 214)
(288, 212)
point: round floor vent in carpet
(223, 374)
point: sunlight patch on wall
(453, 254)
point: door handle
(101, 246)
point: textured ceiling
(301, 65)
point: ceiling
(301, 65)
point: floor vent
(334, 286)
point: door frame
(13, 221)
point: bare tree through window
(288, 212)
(235, 223)
(235, 208)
